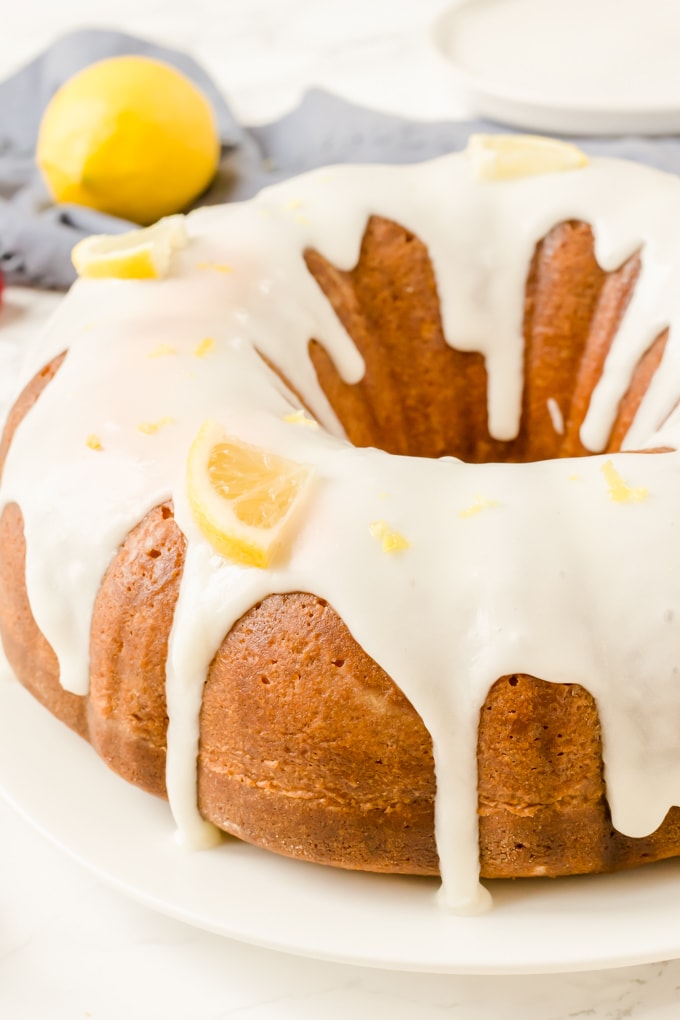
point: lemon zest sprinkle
(293, 204)
(151, 427)
(205, 347)
(391, 541)
(162, 351)
(481, 503)
(619, 491)
(94, 442)
(300, 417)
(216, 267)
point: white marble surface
(70, 947)
(265, 52)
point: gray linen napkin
(36, 236)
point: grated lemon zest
(391, 541)
(300, 417)
(149, 428)
(619, 491)
(205, 347)
(481, 503)
(162, 351)
(216, 267)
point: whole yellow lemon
(130, 136)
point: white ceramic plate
(582, 66)
(126, 838)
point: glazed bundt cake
(459, 596)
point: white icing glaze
(556, 416)
(538, 579)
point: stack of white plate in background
(572, 66)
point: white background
(69, 946)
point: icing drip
(556, 416)
(542, 584)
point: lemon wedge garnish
(501, 157)
(136, 255)
(243, 497)
(130, 136)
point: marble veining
(71, 948)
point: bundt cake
(459, 595)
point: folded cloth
(36, 236)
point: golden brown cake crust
(131, 623)
(307, 747)
(27, 651)
(422, 398)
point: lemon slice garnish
(243, 497)
(136, 255)
(501, 157)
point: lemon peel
(480, 503)
(150, 428)
(204, 348)
(620, 491)
(391, 541)
(300, 417)
(162, 351)
(131, 136)
(216, 267)
(243, 497)
(503, 157)
(136, 255)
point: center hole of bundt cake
(421, 397)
